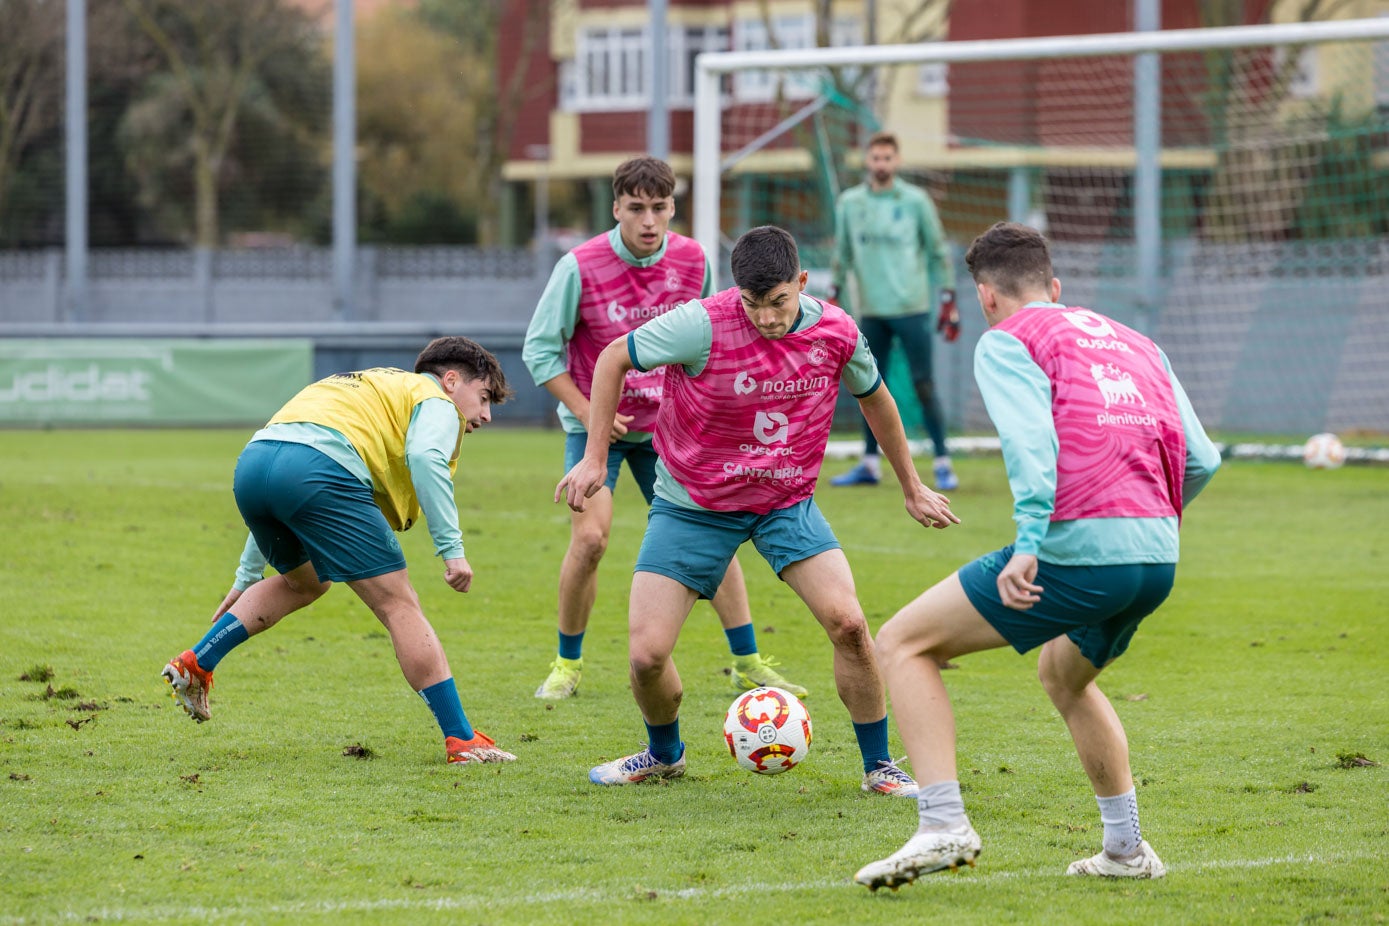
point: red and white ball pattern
(767, 730)
(1323, 451)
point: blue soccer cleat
(860, 475)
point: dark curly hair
(471, 361)
(1012, 258)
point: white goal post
(712, 67)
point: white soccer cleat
(923, 854)
(634, 768)
(888, 778)
(1145, 864)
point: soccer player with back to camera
(599, 291)
(888, 239)
(752, 376)
(1103, 451)
(322, 487)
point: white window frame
(933, 80)
(796, 30)
(686, 43)
(1306, 76)
(608, 72)
(623, 82)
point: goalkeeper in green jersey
(888, 236)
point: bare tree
(214, 52)
(31, 85)
(1255, 190)
(476, 24)
(858, 94)
(497, 118)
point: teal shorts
(302, 506)
(1098, 607)
(640, 457)
(694, 546)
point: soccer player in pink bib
(1103, 451)
(599, 291)
(751, 378)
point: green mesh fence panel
(1268, 282)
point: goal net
(1225, 190)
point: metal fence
(1285, 338)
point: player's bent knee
(312, 589)
(1060, 685)
(647, 662)
(849, 632)
(589, 545)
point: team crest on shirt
(819, 353)
(672, 280)
(1116, 386)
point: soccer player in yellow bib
(323, 487)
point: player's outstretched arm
(924, 505)
(591, 473)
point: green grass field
(1247, 699)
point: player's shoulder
(600, 243)
(682, 244)
(910, 191)
(855, 192)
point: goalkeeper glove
(948, 320)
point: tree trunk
(205, 228)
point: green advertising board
(156, 382)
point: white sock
(941, 461)
(1120, 817)
(940, 804)
(873, 465)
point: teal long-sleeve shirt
(1017, 394)
(893, 244)
(429, 442)
(557, 315)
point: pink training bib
(748, 433)
(618, 297)
(1122, 447)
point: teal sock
(665, 742)
(872, 742)
(742, 640)
(571, 645)
(442, 699)
(225, 636)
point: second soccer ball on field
(1323, 451)
(767, 730)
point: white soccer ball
(768, 730)
(1323, 451)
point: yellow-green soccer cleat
(758, 671)
(563, 679)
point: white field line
(970, 880)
